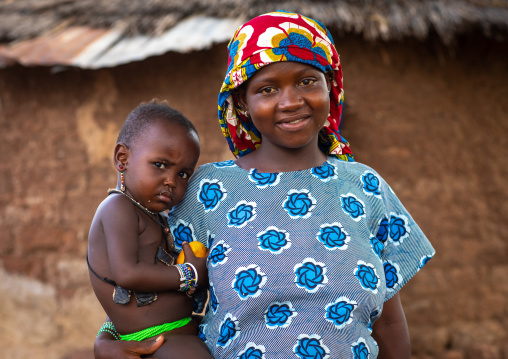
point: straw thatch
(374, 19)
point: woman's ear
(329, 80)
(241, 98)
(121, 156)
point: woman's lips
(292, 125)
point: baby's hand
(198, 262)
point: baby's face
(160, 164)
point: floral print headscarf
(273, 37)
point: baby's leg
(177, 346)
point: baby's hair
(145, 115)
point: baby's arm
(391, 331)
(121, 227)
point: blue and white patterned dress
(300, 262)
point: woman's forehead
(278, 70)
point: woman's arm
(107, 347)
(391, 332)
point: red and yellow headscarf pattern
(274, 37)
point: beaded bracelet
(187, 277)
(109, 327)
(195, 273)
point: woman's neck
(270, 160)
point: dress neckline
(288, 172)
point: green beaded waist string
(156, 330)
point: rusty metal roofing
(89, 48)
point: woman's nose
(290, 99)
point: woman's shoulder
(352, 168)
(214, 167)
(213, 170)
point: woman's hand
(106, 347)
(198, 262)
(390, 331)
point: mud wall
(432, 122)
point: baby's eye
(184, 175)
(160, 165)
(306, 82)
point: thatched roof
(105, 33)
(375, 19)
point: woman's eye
(160, 165)
(306, 82)
(267, 90)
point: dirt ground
(432, 121)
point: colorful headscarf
(274, 37)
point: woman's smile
(294, 124)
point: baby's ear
(121, 156)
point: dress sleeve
(406, 249)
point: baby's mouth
(165, 197)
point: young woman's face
(289, 103)
(159, 165)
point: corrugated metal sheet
(97, 48)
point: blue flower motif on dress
(228, 163)
(367, 275)
(399, 228)
(213, 301)
(211, 238)
(370, 184)
(252, 351)
(182, 232)
(248, 281)
(340, 312)
(382, 233)
(299, 204)
(279, 315)
(377, 246)
(392, 275)
(360, 349)
(374, 315)
(243, 213)
(353, 206)
(218, 254)
(333, 236)
(311, 347)
(425, 259)
(211, 193)
(274, 240)
(263, 180)
(325, 173)
(201, 332)
(228, 331)
(310, 275)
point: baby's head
(156, 151)
(280, 37)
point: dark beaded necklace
(169, 237)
